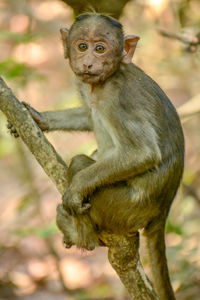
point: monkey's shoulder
(138, 91)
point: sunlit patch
(76, 274)
(19, 23)
(49, 10)
(158, 5)
(31, 53)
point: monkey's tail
(155, 238)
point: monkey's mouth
(88, 74)
(89, 77)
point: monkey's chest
(105, 135)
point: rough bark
(33, 137)
(123, 255)
(122, 251)
(112, 7)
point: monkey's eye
(100, 48)
(83, 47)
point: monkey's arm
(131, 158)
(69, 119)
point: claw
(37, 117)
(67, 242)
(84, 208)
(12, 130)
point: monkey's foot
(68, 244)
(88, 241)
(12, 130)
(90, 246)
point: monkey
(133, 180)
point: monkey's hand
(37, 117)
(73, 202)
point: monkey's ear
(64, 36)
(130, 43)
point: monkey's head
(95, 45)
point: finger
(65, 201)
(61, 211)
(13, 130)
(16, 135)
(9, 125)
(67, 209)
(84, 208)
(67, 242)
(26, 104)
(34, 113)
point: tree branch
(123, 255)
(111, 7)
(33, 137)
(123, 251)
(191, 41)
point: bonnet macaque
(134, 178)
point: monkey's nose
(87, 67)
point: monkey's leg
(155, 238)
(65, 223)
(86, 234)
(78, 163)
(77, 230)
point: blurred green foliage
(21, 73)
(43, 231)
(17, 37)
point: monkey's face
(94, 58)
(95, 46)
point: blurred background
(33, 262)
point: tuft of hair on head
(112, 21)
(105, 17)
(83, 16)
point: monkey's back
(147, 95)
(146, 100)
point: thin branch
(191, 41)
(187, 39)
